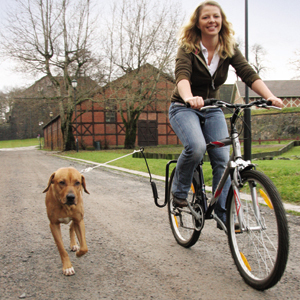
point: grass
(266, 147)
(20, 143)
(271, 111)
(284, 173)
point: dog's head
(67, 185)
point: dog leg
(73, 244)
(80, 232)
(67, 266)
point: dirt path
(132, 253)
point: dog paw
(69, 271)
(75, 248)
(81, 252)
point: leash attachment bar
(153, 184)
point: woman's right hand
(184, 89)
(195, 102)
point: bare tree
(257, 61)
(4, 107)
(295, 64)
(141, 46)
(52, 37)
(259, 54)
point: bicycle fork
(255, 205)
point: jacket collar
(201, 58)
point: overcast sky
(274, 24)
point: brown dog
(64, 204)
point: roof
(280, 88)
(43, 88)
(226, 91)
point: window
(110, 117)
(110, 111)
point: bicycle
(256, 221)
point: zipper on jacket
(213, 83)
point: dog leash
(100, 165)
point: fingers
(195, 102)
(276, 101)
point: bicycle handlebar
(218, 103)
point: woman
(207, 48)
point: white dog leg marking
(69, 271)
(75, 248)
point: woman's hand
(195, 102)
(259, 87)
(184, 88)
(276, 101)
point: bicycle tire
(181, 220)
(260, 252)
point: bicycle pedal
(237, 228)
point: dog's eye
(77, 183)
(62, 183)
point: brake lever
(268, 106)
(275, 107)
(209, 106)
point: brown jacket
(193, 67)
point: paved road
(132, 253)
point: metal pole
(247, 112)
(76, 119)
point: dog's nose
(70, 199)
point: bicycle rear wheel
(260, 250)
(181, 220)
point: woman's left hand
(276, 101)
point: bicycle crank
(198, 216)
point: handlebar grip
(269, 103)
(207, 102)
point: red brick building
(99, 121)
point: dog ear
(49, 182)
(83, 184)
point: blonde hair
(190, 34)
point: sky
(274, 24)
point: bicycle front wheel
(260, 249)
(181, 220)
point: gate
(147, 133)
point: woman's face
(210, 20)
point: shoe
(236, 227)
(177, 202)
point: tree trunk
(130, 135)
(67, 130)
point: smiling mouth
(212, 28)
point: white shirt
(214, 62)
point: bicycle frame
(235, 165)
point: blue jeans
(194, 137)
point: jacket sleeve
(183, 67)
(243, 68)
